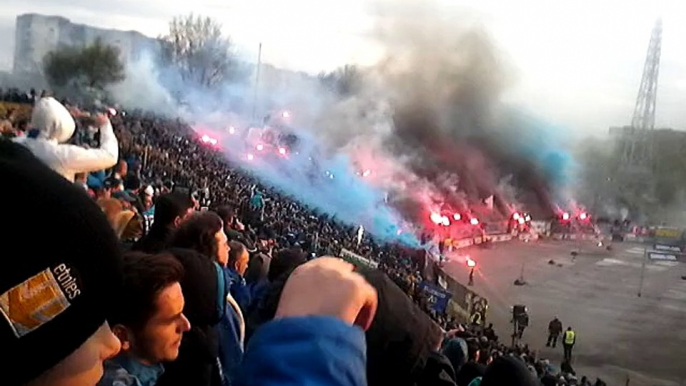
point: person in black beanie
(468, 372)
(55, 289)
(284, 262)
(510, 371)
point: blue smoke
(327, 182)
(547, 147)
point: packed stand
(216, 286)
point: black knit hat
(508, 371)
(60, 267)
(401, 337)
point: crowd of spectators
(195, 226)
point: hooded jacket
(55, 126)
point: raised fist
(328, 286)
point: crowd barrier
(444, 294)
(463, 304)
(357, 260)
(452, 245)
(577, 236)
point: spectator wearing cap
(146, 195)
(132, 185)
(148, 319)
(508, 370)
(171, 210)
(96, 178)
(56, 296)
(129, 200)
(102, 189)
(53, 126)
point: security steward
(568, 340)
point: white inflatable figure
(360, 233)
(55, 125)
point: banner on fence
(357, 260)
(437, 297)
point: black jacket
(197, 362)
(155, 241)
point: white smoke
(142, 89)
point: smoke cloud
(425, 129)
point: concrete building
(36, 35)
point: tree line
(194, 48)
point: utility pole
(643, 270)
(257, 81)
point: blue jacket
(305, 351)
(257, 201)
(237, 287)
(230, 345)
(257, 290)
(124, 370)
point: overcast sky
(575, 63)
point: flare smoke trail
(453, 140)
(426, 124)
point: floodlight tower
(637, 150)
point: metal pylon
(637, 151)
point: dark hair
(197, 233)
(226, 213)
(258, 268)
(132, 182)
(285, 261)
(237, 249)
(144, 277)
(170, 206)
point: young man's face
(84, 366)
(242, 263)
(222, 247)
(160, 338)
(180, 219)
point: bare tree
(196, 47)
(345, 80)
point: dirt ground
(619, 334)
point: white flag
(489, 202)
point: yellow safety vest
(569, 337)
